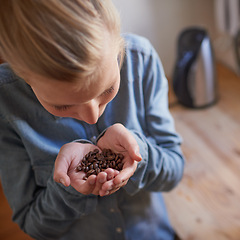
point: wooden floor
(206, 204)
(8, 229)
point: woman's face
(85, 103)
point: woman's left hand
(120, 140)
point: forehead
(82, 90)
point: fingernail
(101, 180)
(62, 181)
(92, 181)
(138, 154)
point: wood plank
(205, 205)
(8, 229)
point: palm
(76, 178)
(77, 152)
(119, 140)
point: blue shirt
(30, 139)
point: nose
(89, 113)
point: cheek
(58, 113)
(108, 98)
(51, 110)
(54, 112)
(43, 105)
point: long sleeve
(43, 208)
(142, 107)
(163, 163)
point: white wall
(161, 21)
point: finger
(108, 192)
(122, 184)
(102, 177)
(100, 180)
(91, 181)
(61, 169)
(113, 191)
(105, 193)
(108, 186)
(111, 173)
(116, 172)
(88, 186)
(124, 175)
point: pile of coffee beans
(95, 162)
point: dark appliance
(194, 78)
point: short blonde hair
(57, 39)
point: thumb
(60, 171)
(62, 178)
(133, 148)
(134, 154)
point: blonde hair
(57, 39)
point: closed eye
(62, 108)
(108, 91)
(66, 107)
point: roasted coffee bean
(95, 162)
(91, 159)
(110, 157)
(113, 164)
(95, 151)
(104, 165)
(119, 166)
(90, 172)
(91, 166)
